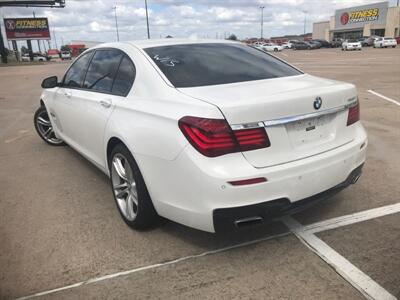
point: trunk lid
(274, 100)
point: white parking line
(362, 282)
(359, 280)
(352, 218)
(384, 97)
(149, 267)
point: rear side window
(195, 65)
(102, 70)
(73, 78)
(124, 78)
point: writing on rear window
(191, 65)
(166, 61)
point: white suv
(384, 42)
(65, 55)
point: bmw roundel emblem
(317, 103)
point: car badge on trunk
(317, 103)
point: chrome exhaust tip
(250, 221)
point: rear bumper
(192, 188)
(228, 219)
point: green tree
(24, 50)
(232, 37)
(65, 48)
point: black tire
(275, 49)
(51, 139)
(146, 216)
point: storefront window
(348, 35)
(378, 32)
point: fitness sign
(27, 28)
(357, 17)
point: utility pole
(3, 52)
(55, 38)
(147, 20)
(116, 21)
(305, 21)
(262, 20)
(38, 41)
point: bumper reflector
(248, 181)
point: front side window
(74, 76)
(124, 78)
(193, 65)
(102, 70)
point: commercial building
(77, 47)
(360, 21)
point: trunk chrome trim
(291, 119)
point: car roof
(143, 44)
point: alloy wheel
(124, 186)
(46, 129)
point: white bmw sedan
(211, 134)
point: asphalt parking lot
(61, 234)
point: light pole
(116, 21)
(55, 38)
(305, 21)
(38, 41)
(262, 20)
(147, 20)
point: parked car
(25, 57)
(289, 44)
(301, 46)
(369, 42)
(271, 47)
(65, 55)
(351, 44)
(384, 42)
(314, 44)
(337, 42)
(198, 134)
(36, 57)
(364, 42)
(323, 43)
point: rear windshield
(193, 65)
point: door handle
(106, 103)
(68, 94)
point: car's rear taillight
(251, 139)
(214, 137)
(354, 114)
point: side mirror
(50, 82)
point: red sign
(27, 29)
(344, 18)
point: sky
(93, 20)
